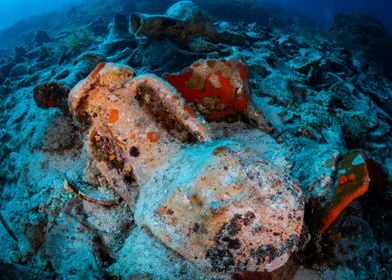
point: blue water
(12, 11)
(322, 11)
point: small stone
(51, 95)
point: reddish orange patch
(113, 116)
(97, 70)
(161, 210)
(343, 179)
(335, 212)
(153, 137)
(219, 150)
(51, 103)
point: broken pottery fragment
(217, 203)
(352, 182)
(182, 22)
(99, 196)
(218, 89)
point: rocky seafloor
(228, 140)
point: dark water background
(323, 11)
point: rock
(12, 271)
(19, 70)
(60, 135)
(98, 27)
(20, 55)
(365, 34)
(362, 22)
(5, 70)
(218, 203)
(181, 23)
(71, 254)
(307, 58)
(42, 37)
(119, 37)
(318, 178)
(51, 95)
(278, 87)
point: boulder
(42, 37)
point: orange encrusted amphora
(216, 202)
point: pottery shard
(240, 215)
(352, 182)
(218, 88)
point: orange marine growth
(113, 116)
(153, 137)
(97, 70)
(353, 181)
(217, 88)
